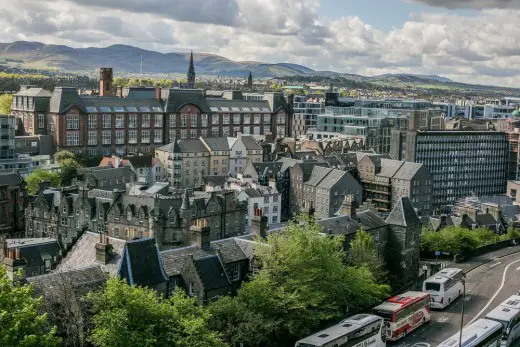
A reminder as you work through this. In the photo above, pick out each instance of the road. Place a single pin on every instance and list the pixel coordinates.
(486, 287)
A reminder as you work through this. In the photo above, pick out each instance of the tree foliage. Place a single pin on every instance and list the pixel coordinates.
(69, 171)
(60, 156)
(363, 253)
(303, 282)
(21, 323)
(135, 316)
(39, 175)
(458, 240)
(6, 101)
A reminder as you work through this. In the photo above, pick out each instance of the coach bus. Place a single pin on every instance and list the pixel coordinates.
(444, 287)
(508, 314)
(404, 313)
(481, 333)
(357, 331)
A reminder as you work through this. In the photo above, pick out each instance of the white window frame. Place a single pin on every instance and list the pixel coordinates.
(157, 136)
(132, 121)
(92, 121)
(145, 136)
(132, 136)
(72, 122)
(72, 138)
(92, 137)
(194, 120)
(173, 120)
(158, 120)
(145, 121)
(106, 137)
(107, 121)
(120, 137)
(120, 121)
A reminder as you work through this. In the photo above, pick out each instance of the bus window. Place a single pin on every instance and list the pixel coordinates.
(436, 287)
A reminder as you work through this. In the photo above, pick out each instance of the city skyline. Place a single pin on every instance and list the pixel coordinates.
(465, 40)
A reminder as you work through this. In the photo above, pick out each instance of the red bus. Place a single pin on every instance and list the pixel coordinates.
(404, 313)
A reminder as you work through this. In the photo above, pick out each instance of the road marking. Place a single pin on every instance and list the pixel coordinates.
(518, 268)
(496, 264)
(467, 298)
(421, 344)
(496, 293)
(442, 319)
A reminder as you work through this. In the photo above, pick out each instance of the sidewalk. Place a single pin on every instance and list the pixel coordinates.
(475, 262)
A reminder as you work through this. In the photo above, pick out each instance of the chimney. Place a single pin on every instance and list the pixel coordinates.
(13, 263)
(349, 206)
(116, 161)
(259, 224)
(105, 81)
(200, 235)
(103, 249)
(158, 93)
(119, 91)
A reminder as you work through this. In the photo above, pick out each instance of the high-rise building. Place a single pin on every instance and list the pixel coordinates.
(461, 163)
(306, 110)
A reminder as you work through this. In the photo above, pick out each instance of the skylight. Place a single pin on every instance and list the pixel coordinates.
(157, 109)
(214, 109)
(144, 109)
(91, 109)
(131, 109)
(105, 109)
(119, 109)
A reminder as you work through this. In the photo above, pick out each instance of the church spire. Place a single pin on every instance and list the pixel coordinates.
(191, 73)
(250, 81)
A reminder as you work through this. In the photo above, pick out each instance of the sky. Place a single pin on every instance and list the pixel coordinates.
(474, 41)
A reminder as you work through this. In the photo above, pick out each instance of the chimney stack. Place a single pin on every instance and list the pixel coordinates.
(349, 206)
(103, 249)
(259, 224)
(119, 91)
(200, 233)
(105, 81)
(158, 93)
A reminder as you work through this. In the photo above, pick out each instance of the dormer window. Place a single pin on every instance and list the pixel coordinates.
(64, 209)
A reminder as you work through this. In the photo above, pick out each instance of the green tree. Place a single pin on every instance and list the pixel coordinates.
(69, 170)
(21, 320)
(39, 175)
(512, 233)
(6, 101)
(60, 156)
(302, 283)
(134, 316)
(363, 252)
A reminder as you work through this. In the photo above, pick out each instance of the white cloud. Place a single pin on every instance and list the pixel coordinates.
(481, 49)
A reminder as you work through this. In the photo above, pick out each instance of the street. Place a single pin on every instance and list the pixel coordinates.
(486, 287)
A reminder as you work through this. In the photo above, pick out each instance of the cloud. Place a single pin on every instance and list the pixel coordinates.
(484, 48)
(470, 4)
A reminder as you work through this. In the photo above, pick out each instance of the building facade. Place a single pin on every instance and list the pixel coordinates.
(306, 110)
(265, 198)
(13, 200)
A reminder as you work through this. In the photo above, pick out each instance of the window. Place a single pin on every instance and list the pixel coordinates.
(204, 120)
(214, 131)
(145, 121)
(215, 119)
(246, 130)
(235, 272)
(183, 120)
(275, 197)
(267, 119)
(172, 285)
(184, 134)
(129, 215)
(145, 136)
(257, 118)
(92, 138)
(107, 121)
(275, 208)
(41, 121)
(116, 232)
(158, 120)
(280, 118)
(132, 136)
(236, 130)
(120, 121)
(215, 162)
(107, 137)
(72, 122)
(78, 224)
(120, 137)
(194, 121)
(72, 138)
(92, 121)
(225, 119)
(173, 120)
(194, 133)
(256, 130)
(247, 119)
(64, 221)
(157, 136)
(275, 219)
(132, 121)
(236, 119)
(225, 132)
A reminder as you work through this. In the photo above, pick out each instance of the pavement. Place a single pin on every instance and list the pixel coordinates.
(490, 279)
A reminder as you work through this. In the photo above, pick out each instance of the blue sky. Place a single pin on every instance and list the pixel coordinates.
(382, 14)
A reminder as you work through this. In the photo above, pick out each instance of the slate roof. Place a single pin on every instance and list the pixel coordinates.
(211, 272)
(83, 254)
(216, 143)
(389, 167)
(84, 279)
(35, 92)
(403, 214)
(340, 225)
(485, 219)
(219, 180)
(102, 173)
(332, 178)
(141, 263)
(250, 143)
(370, 220)
(318, 174)
(408, 170)
(139, 161)
(192, 146)
(177, 98)
(63, 98)
(217, 104)
(35, 251)
(267, 168)
(11, 179)
(252, 193)
(172, 147)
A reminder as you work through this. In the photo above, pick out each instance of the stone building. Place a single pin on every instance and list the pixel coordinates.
(13, 199)
(243, 148)
(218, 148)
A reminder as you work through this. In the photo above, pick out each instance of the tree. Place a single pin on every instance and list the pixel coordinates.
(363, 252)
(6, 101)
(62, 155)
(69, 171)
(39, 175)
(135, 316)
(21, 320)
(303, 283)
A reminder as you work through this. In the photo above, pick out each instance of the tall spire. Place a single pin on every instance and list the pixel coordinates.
(191, 73)
(250, 81)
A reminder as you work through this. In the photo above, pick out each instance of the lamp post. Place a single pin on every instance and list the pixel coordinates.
(462, 311)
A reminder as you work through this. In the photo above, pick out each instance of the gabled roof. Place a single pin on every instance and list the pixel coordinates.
(63, 98)
(192, 146)
(318, 174)
(172, 147)
(108, 173)
(250, 143)
(485, 219)
(216, 143)
(332, 178)
(139, 161)
(211, 272)
(403, 214)
(35, 92)
(370, 220)
(35, 251)
(83, 279)
(177, 98)
(217, 181)
(252, 193)
(408, 170)
(11, 179)
(389, 167)
(141, 264)
(267, 168)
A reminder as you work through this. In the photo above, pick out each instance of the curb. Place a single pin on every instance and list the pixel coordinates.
(489, 261)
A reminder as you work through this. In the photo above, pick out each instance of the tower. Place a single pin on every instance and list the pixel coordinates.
(105, 81)
(191, 73)
(250, 81)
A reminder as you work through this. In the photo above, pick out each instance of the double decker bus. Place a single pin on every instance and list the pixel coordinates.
(444, 287)
(357, 331)
(508, 314)
(404, 313)
(480, 333)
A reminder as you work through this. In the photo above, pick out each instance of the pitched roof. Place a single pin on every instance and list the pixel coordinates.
(35, 251)
(219, 180)
(139, 161)
(177, 98)
(408, 170)
(216, 143)
(63, 98)
(389, 167)
(36, 92)
(252, 192)
(172, 147)
(484, 219)
(370, 220)
(83, 254)
(318, 174)
(11, 179)
(403, 214)
(211, 272)
(141, 263)
(102, 173)
(192, 146)
(250, 143)
(332, 177)
(84, 279)
(267, 168)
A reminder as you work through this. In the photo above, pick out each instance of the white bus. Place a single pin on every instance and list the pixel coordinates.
(357, 331)
(404, 313)
(481, 333)
(508, 314)
(444, 287)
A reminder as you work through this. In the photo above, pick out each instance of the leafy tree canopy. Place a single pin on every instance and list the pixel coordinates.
(69, 170)
(21, 321)
(39, 175)
(363, 252)
(458, 240)
(6, 101)
(62, 155)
